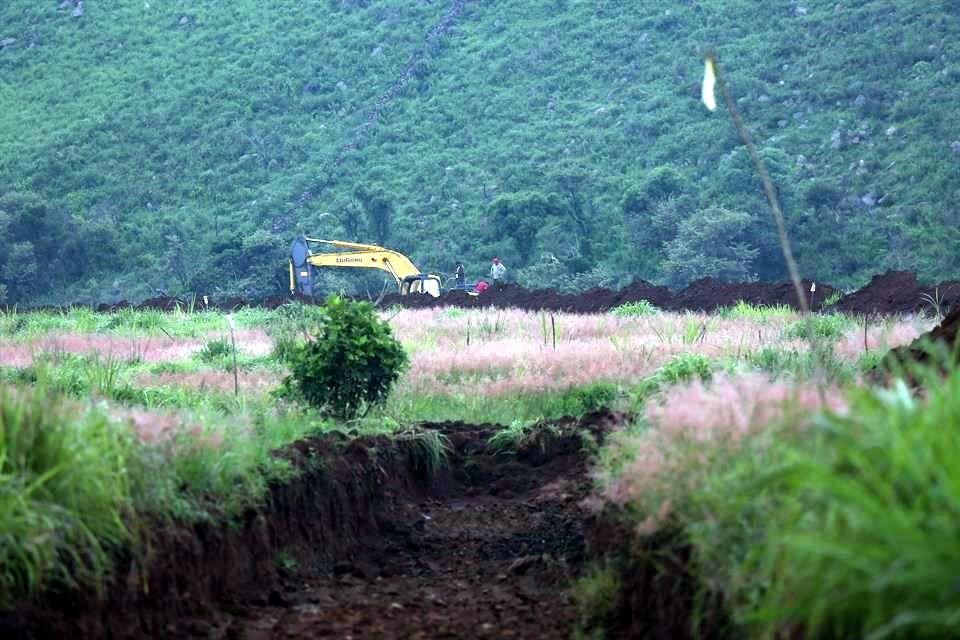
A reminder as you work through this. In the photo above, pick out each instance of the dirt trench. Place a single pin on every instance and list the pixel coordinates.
(486, 548)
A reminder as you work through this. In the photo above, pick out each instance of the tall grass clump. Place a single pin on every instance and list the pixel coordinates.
(64, 494)
(761, 313)
(863, 541)
(822, 521)
(822, 326)
(427, 451)
(685, 366)
(634, 309)
(292, 326)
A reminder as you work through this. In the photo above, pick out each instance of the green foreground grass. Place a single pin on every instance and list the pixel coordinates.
(838, 525)
(77, 485)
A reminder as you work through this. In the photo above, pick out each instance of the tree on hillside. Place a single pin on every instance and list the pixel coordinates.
(652, 210)
(710, 243)
(18, 273)
(520, 216)
(92, 247)
(245, 264)
(4, 250)
(734, 184)
(379, 213)
(574, 185)
(33, 230)
(351, 217)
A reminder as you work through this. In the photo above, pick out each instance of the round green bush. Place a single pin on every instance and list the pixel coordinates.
(351, 362)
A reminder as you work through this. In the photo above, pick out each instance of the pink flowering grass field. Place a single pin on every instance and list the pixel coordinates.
(148, 349)
(693, 427)
(512, 351)
(481, 353)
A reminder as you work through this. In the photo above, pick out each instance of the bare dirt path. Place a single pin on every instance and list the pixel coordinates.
(492, 558)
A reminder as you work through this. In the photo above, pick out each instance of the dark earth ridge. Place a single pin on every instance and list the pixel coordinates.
(366, 544)
(892, 292)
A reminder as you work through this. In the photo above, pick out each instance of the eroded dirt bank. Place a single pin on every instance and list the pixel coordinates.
(368, 544)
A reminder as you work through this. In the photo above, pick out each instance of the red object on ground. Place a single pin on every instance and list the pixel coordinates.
(481, 286)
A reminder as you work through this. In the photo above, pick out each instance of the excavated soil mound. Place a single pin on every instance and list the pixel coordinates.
(703, 295)
(513, 297)
(708, 294)
(642, 290)
(159, 303)
(891, 292)
(368, 544)
(942, 337)
(900, 292)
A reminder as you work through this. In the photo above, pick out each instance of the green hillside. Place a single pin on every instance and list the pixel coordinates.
(180, 145)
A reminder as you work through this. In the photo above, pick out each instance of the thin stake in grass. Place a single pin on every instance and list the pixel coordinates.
(712, 77)
(233, 343)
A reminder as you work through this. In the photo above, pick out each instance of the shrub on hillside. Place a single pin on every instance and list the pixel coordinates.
(349, 364)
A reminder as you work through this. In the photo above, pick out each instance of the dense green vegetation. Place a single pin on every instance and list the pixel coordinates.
(828, 523)
(349, 364)
(180, 145)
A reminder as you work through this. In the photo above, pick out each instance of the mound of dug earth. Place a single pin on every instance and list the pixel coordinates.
(942, 337)
(703, 295)
(708, 294)
(891, 292)
(899, 292)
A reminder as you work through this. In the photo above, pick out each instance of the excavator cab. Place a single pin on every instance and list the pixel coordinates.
(301, 272)
(421, 283)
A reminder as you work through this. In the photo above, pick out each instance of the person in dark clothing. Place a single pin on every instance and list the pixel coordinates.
(458, 274)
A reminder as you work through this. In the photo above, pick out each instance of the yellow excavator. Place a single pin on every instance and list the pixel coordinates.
(358, 256)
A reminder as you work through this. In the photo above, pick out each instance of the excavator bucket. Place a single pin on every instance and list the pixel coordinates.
(301, 273)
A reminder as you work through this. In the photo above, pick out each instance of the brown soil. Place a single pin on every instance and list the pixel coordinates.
(899, 292)
(365, 545)
(942, 337)
(706, 295)
(657, 592)
(890, 293)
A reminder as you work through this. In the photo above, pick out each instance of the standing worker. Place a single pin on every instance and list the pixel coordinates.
(497, 269)
(458, 274)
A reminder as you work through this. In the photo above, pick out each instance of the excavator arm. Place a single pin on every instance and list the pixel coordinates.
(357, 256)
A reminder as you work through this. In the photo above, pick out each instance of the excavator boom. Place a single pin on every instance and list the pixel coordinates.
(362, 256)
